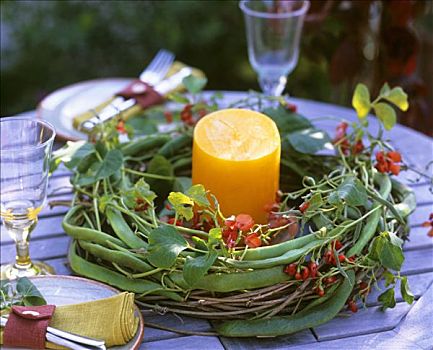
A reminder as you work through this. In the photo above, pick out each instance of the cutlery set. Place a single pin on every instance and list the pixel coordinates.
(152, 80)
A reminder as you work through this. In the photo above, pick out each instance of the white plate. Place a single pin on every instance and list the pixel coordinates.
(61, 106)
(65, 290)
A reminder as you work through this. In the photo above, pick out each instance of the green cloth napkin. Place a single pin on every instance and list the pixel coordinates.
(112, 319)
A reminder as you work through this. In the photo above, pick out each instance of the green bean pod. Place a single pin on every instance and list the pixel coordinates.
(115, 279)
(283, 325)
(122, 229)
(408, 203)
(229, 282)
(173, 146)
(277, 249)
(370, 227)
(286, 258)
(182, 163)
(118, 257)
(144, 144)
(85, 233)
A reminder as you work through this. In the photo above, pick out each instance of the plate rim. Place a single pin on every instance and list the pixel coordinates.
(61, 136)
(140, 329)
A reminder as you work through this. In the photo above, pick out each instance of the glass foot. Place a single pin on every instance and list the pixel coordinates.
(36, 268)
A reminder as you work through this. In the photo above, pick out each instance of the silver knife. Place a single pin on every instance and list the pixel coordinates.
(164, 87)
(70, 340)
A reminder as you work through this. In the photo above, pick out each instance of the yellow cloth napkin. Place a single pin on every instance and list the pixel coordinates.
(111, 319)
(175, 67)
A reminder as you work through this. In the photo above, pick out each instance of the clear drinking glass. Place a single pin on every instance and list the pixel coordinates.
(25, 150)
(273, 32)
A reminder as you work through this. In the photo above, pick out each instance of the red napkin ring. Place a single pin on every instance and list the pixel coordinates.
(143, 93)
(27, 326)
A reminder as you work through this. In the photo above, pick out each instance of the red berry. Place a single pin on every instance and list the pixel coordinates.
(298, 276)
(291, 107)
(352, 259)
(230, 223)
(358, 147)
(304, 206)
(394, 156)
(380, 157)
(168, 117)
(394, 168)
(341, 258)
(305, 273)
(363, 288)
(337, 245)
(244, 222)
(290, 269)
(313, 269)
(120, 127)
(352, 306)
(330, 280)
(253, 240)
(382, 167)
(320, 291)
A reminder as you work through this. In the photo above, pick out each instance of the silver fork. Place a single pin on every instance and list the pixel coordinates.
(152, 75)
(158, 68)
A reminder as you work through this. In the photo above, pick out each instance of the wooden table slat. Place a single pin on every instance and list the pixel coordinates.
(417, 261)
(377, 341)
(365, 321)
(303, 337)
(418, 323)
(189, 342)
(172, 321)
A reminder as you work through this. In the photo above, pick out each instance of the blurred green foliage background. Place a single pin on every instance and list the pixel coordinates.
(49, 44)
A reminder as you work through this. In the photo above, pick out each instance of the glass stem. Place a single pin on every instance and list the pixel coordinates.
(23, 256)
(272, 86)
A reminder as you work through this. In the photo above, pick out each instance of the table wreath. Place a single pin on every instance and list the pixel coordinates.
(337, 225)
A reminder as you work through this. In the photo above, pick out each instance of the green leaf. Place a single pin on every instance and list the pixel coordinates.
(199, 243)
(405, 291)
(195, 268)
(29, 293)
(361, 100)
(398, 97)
(352, 191)
(142, 125)
(141, 190)
(315, 201)
(215, 236)
(387, 299)
(182, 204)
(386, 114)
(389, 278)
(165, 244)
(286, 120)
(308, 141)
(112, 162)
(198, 194)
(159, 165)
(391, 256)
(182, 183)
(385, 89)
(395, 240)
(67, 153)
(194, 84)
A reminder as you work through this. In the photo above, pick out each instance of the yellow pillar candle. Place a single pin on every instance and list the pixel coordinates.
(236, 155)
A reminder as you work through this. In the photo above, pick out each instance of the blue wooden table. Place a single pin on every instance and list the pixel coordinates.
(404, 327)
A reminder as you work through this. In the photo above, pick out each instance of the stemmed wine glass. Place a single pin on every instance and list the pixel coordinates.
(25, 150)
(273, 32)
